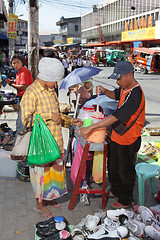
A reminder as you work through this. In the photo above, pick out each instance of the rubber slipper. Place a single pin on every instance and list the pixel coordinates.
(44, 214)
(119, 205)
(56, 204)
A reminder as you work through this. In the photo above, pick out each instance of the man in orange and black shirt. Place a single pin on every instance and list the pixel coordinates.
(127, 122)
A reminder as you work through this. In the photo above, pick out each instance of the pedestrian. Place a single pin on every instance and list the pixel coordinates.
(79, 61)
(48, 182)
(23, 80)
(65, 64)
(73, 63)
(127, 122)
(87, 62)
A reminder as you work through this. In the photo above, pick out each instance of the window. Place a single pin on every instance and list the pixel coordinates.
(76, 28)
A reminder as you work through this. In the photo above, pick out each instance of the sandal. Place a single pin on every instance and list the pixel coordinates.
(43, 213)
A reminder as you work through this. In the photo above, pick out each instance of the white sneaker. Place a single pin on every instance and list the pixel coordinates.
(146, 215)
(91, 222)
(111, 225)
(136, 227)
(103, 234)
(156, 208)
(114, 214)
(152, 232)
(100, 214)
(132, 237)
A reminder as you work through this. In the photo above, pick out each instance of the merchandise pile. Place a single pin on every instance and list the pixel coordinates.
(7, 136)
(141, 223)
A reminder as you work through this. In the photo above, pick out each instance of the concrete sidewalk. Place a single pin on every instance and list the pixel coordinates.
(17, 218)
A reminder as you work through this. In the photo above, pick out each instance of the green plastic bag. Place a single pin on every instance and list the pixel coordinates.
(42, 148)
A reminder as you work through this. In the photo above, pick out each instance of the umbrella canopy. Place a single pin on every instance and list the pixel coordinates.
(79, 75)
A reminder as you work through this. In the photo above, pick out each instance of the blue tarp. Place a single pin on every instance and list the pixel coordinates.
(3, 36)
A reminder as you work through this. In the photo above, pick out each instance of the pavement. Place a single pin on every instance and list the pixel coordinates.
(17, 218)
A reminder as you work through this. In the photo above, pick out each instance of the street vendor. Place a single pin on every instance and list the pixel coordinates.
(126, 121)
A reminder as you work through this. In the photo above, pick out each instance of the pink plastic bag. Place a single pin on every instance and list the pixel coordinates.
(76, 163)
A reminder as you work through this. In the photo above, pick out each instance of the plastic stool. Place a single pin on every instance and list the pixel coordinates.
(145, 171)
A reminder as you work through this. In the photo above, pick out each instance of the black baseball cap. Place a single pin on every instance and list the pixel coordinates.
(120, 69)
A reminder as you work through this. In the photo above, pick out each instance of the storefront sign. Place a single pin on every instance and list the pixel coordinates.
(144, 22)
(70, 40)
(12, 26)
(140, 34)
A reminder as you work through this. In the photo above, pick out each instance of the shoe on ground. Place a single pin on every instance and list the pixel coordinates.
(114, 214)
(101, 214)
(110, 224)
(136, 227)
(118, 205)
(104, 234)
(84, 199)
(146, 215)
(91, 222)
(152, 232)
(77, 234)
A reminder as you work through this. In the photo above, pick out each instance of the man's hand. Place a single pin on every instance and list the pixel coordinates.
(101, 89)
(78, 122)
(7, 81)
(56, 118)
(83, 132)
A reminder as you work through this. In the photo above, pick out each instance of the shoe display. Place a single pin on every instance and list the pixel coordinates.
(152, 232)
(105, 234)
(114, 214)
(146, 215)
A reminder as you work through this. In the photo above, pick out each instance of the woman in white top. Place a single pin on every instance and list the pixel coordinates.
(79, 62)
(73, 63)
(87, 62)
(65, 64)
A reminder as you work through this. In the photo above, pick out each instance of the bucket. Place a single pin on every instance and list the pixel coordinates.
(23, 172)
(86, 112)
(97, 135)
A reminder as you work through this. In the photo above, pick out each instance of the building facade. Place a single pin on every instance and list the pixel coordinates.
(70, 29)
(113, 17)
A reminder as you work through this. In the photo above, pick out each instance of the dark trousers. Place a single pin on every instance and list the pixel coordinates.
(121, 170)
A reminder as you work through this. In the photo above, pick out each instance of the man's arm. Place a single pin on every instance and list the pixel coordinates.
(108, 93)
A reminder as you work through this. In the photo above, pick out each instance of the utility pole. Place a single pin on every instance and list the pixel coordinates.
(33, 37)
(11, 40)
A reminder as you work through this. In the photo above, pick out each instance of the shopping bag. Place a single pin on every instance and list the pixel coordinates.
(97, 170)
(76, 162)
(43, 147)
(20, 150)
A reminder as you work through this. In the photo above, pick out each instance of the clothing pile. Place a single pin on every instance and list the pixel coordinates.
(141, 223)
(7, 136)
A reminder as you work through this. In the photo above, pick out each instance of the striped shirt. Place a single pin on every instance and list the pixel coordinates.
(38, 100)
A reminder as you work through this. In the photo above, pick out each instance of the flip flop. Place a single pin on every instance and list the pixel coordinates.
(56, 204)
(44, 214)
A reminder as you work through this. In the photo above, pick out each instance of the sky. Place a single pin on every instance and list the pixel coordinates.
(50, 11)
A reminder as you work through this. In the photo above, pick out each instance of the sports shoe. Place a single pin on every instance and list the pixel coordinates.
(91, 222)
(77, 234)
(104, 234)
(146, 215)
(136, 227)
(100, 214)
(110, 225)
(114, 214)
(152, 232)
(83, 196)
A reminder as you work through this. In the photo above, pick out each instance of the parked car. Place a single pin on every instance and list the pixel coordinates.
(114, 55)
(146, 60)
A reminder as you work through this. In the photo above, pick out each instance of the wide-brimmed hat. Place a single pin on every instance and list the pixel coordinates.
(50, 70)
(121, 68)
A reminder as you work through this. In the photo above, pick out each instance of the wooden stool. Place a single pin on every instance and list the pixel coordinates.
(89, 147)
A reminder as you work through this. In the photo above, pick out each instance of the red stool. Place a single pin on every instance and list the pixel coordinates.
(89, 147)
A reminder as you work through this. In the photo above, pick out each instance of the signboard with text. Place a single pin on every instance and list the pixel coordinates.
(12, 26)
(140, 34)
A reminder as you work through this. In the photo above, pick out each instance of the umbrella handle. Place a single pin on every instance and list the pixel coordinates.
(77, 101)
(97, 100)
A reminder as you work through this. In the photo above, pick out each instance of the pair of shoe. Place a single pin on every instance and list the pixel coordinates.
(102, 233)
